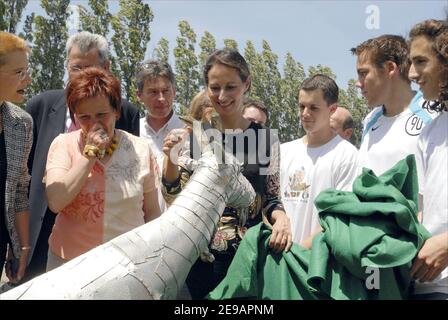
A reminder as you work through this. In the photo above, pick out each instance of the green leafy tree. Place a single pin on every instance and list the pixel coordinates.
(257, 68)
(294, 75)
(10, 14)
(130, 38)
(48, 35)
(98, 19)
(162, 51)
(357, 106)
(230, 43)
(321, 69)
(187, 67)
(271, 87)
(207, 46)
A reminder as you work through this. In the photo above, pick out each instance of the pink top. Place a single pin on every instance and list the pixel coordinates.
(111, 201)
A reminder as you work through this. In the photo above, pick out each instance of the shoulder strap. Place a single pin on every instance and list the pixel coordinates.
(416, 107)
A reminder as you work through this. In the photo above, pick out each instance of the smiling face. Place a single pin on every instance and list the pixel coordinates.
(226, 90)
(14, 77)
(372, 81)
(314, 111)
(426, 69)
(94, 110)
(78, 60)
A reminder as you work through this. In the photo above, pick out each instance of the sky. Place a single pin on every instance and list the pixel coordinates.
(314, 32)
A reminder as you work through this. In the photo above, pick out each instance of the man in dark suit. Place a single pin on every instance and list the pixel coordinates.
(51, 118)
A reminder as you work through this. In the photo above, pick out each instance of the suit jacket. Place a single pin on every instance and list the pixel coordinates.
(18, 131)
(48, 111)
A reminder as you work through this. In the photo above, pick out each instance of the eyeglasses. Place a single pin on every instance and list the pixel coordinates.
(21, 74)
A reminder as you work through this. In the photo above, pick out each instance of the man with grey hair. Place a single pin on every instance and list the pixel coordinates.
(51, 118)
(341, 121)
(156, 91)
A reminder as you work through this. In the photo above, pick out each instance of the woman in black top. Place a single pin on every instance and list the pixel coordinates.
(227, 77)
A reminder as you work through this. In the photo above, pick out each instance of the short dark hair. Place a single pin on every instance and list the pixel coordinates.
(348, 123)
(152, 69)
(326, 84)
(387, 47)
(256, 104)
(228, 57)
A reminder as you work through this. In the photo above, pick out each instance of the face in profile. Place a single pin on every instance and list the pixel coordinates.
(372, 81)
(226, 90)
(426, 69)
(96, 110)
(14, 76)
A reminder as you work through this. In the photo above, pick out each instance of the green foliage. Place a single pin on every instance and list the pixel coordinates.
(207, 46)
(162, 51)
(130, 38)
(351, 100)
(98, 20)
(48, 35)
(10, 14)
(230, 43)
(187, 66)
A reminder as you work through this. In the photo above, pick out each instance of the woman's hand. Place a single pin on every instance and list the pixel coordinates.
(14, 272)
(172, 143)
(97, 137)
(281, 238)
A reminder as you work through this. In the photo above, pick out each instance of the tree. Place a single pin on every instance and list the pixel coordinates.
(257, 69)
(271, 89)
(162, 51)
(48, 36)
(321, 69)
(187, 74)
(207, 45)
(230, 43)
(351, 100)
(98, 20)
(131, 35)
(294, 75)
(10, 14)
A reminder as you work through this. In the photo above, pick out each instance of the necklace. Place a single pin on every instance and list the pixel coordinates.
(113, 146)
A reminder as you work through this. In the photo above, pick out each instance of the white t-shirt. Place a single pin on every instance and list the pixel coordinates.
(432, 166)
(389, 140)
(305, 172)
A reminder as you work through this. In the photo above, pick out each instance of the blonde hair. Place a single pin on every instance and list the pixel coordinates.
(11, 43)
(198, 105)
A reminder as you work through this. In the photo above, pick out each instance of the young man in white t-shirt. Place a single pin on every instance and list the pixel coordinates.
(429, 69)
(319, 160)
(392, 128)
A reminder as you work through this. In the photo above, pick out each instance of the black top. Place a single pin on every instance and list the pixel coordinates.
(3, 232)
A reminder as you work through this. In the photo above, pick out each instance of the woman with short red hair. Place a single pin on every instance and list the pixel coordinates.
(101, 181)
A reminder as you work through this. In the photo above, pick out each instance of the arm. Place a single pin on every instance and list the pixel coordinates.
(281, 238)
(432, 258)
(64, 180)
(22, 227)
(151, 205)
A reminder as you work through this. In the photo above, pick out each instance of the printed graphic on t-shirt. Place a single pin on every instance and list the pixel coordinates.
(414, 125)
(297, 187)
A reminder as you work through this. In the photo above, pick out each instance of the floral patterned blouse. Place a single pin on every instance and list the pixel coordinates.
(259, 153)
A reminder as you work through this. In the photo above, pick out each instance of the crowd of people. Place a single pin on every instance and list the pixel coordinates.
(80, 166)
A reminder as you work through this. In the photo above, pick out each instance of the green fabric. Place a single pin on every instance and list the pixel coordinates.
(373, 226)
